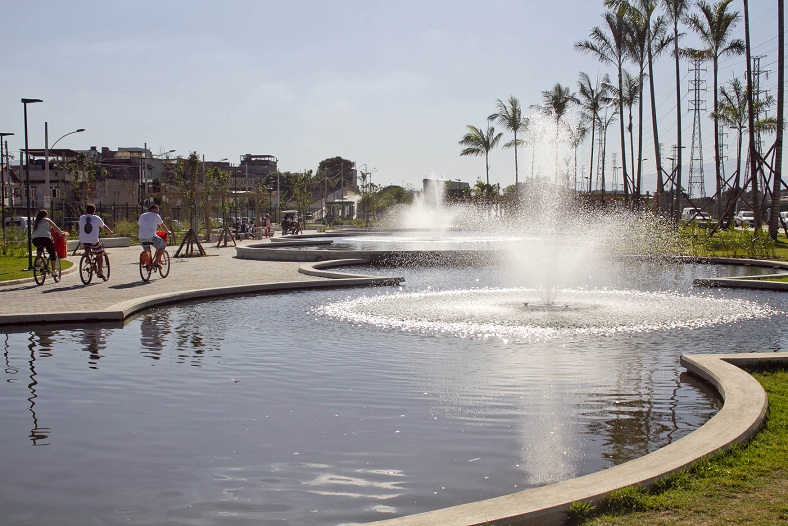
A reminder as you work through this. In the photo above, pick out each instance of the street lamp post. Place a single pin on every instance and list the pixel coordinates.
(48, 193)
(25, 102)
(2, 182)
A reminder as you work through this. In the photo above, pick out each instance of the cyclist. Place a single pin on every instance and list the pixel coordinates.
(43, 228)
(149, 223)
(89, 227)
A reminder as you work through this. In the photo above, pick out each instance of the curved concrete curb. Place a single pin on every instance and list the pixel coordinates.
(741, 416)
(316, 269)
(745, 282)
(120, 311)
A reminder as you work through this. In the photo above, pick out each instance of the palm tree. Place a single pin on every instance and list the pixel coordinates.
(479, 142)
(629, 97)
(555, 103)
(607, 44)
(645, 41)
(714, 25)
(732, 112)
(604, 123)
(510, 116)
(592, 99)
(577, 134)
(675, 10)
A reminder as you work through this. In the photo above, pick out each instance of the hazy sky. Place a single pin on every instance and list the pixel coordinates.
(387, 84)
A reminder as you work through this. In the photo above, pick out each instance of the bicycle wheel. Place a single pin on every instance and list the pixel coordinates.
(85, 269)
(39, 270)
(56, 273)
(145, 270)
(106, 265)
(164, 271)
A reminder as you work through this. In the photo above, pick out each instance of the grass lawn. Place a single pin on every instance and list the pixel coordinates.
(11, 267)
(784, 280)
(748, 485)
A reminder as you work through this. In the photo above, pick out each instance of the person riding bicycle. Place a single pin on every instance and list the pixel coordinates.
(89, 227)
(149, 223)
(43, 228)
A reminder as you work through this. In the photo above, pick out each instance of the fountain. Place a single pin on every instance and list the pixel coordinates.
(549, 352)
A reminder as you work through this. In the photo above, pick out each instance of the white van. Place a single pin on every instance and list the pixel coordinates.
(693, 214)
(17, 221)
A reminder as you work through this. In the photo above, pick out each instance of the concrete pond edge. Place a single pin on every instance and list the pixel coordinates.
(741, 417)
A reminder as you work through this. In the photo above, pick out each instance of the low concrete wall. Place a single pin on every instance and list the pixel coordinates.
(109, 242)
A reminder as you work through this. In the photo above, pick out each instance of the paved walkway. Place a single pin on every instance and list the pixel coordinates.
(219, 269)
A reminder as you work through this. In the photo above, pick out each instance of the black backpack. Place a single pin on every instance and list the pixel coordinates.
(88, 228)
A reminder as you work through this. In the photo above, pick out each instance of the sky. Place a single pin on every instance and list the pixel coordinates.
(390, 85)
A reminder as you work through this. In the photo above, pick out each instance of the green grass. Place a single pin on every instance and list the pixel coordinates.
(11, 267)
(783, 280)
(736, 243)
(747, 485)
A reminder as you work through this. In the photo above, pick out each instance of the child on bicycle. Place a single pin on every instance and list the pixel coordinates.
(89, 227)
(43, 228)
(149, 223)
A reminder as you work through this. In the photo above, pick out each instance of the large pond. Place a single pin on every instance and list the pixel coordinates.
(334, 407)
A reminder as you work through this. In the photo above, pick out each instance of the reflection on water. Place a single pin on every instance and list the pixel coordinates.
(283, 413)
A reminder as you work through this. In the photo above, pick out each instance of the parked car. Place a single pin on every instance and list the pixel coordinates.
(744, 218)
(693, 214)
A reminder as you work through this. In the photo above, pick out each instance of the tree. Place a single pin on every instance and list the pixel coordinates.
(82, 173)
(555, 103)
(301, 186)
(592, 98)
(478, 142)
(608, 45)
(510, 116)
(732, 112)
(676, 10)
(485, 190)
(629, 97)
(577, 134)
(714, 25)
(218, 181)
(188, 179)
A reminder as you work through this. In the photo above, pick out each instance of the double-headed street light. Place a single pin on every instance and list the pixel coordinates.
(25, 102)
(2, 181)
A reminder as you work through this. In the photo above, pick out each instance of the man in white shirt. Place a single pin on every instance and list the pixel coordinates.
(89, 227)
(149, 223)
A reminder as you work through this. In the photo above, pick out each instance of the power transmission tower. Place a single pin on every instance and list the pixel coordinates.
(697, 184)
(600, 165)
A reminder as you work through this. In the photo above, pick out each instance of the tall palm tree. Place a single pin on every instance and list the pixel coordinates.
(714, 26)
(629, 97)
(778, 140)
(510, 116)
(659, 41)
(479, 142)
(592, 99)
(604, 123)
(577, 134)
(607, 44)
(732, 112)
(676, 10)
(555, 103)
(646, 39)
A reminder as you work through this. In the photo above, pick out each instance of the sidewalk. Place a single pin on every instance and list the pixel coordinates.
(27, 302)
